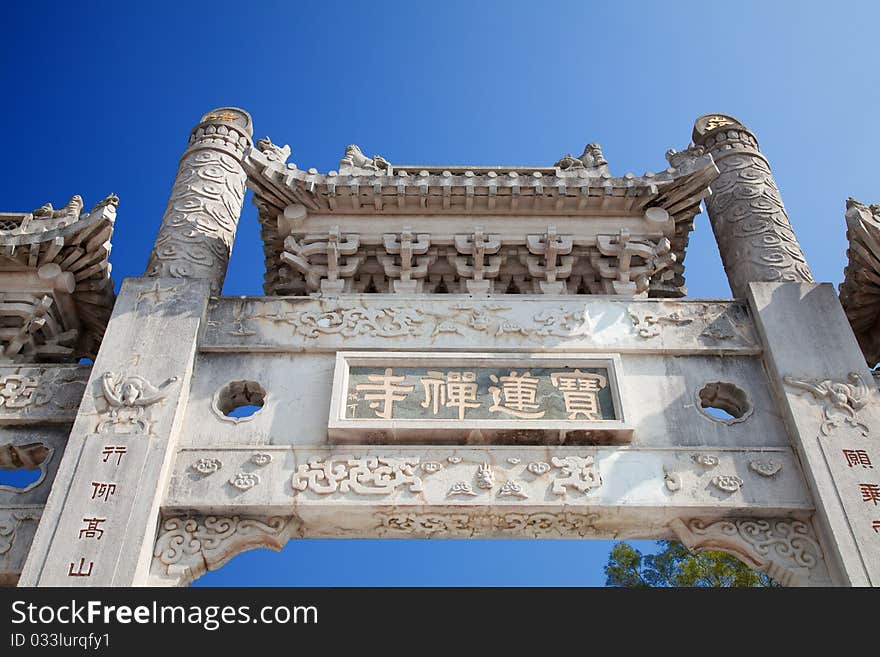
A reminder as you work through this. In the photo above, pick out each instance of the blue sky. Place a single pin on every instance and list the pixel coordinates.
(99, 98)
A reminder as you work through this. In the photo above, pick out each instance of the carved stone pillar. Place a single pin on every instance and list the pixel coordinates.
(99, 524)
(831, 409)
(199, 224)
(754, 235)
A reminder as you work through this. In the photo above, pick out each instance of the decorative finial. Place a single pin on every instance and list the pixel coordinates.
(355, 159)
(273, 152)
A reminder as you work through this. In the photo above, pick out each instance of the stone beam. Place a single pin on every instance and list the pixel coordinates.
(31, 394)
(556, 324)
(752, 503)
(334, 491)
(190, 544)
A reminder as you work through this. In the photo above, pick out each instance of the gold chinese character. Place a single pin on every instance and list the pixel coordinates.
(520, 395)
(221, 116)
(435, 390)
(717, 121)
(455, 390)
(385, 391)
(580, 393)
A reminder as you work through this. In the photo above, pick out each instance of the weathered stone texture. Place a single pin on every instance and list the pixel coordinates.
(464, 352)
(199, 223)
(745, 208)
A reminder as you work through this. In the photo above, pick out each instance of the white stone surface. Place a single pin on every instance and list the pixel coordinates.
(356, 480)
(133, 402)
(501, 322)
(809, 342)
(658, 391)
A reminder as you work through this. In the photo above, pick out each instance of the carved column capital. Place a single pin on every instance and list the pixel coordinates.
(202, 214)
(754, 235)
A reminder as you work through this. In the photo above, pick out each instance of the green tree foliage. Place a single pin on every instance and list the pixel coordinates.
(674, 565)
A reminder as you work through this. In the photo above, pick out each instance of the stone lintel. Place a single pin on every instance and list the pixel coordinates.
(512, 323)
(36, 394)
(643, 483)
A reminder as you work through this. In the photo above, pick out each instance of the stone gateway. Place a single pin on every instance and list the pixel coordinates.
(441, 351)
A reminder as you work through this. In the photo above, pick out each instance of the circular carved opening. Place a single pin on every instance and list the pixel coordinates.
(23, 467)
(239, 400)
(724, 402)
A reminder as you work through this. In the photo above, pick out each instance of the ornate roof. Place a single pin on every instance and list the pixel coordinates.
(860, 290)
(573, 187)
(56, 294)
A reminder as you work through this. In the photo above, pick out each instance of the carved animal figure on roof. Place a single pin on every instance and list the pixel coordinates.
(71, 210)
(273, 152)
(676, 159)
(591, 158)
(569, 161)
(355, 158)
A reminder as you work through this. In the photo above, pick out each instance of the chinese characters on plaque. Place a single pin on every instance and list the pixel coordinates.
(479, 393)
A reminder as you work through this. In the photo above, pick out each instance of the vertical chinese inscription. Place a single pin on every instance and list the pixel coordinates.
(863, 485)
(101, 492)
(114, 450)
(857, 457)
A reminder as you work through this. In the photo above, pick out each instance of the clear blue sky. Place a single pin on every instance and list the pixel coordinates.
(99, 99)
